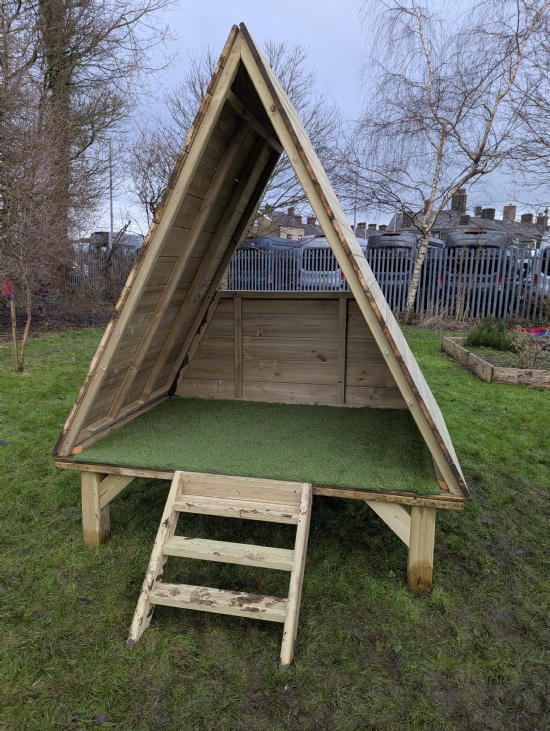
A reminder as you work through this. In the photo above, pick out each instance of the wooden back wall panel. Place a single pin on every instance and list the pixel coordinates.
(312, 348)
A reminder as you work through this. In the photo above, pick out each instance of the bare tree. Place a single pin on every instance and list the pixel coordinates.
(156, 148)
(443, 109)
(68, 72)
(91, 56)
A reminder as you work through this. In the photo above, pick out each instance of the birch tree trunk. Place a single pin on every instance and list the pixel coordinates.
(415, 278)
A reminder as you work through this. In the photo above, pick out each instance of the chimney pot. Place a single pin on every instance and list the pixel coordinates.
(509, 213)
(458, 201)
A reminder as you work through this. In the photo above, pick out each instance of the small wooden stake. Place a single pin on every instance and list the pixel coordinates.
(14, 336)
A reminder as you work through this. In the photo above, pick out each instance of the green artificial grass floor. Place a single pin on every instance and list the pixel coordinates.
(371, 449)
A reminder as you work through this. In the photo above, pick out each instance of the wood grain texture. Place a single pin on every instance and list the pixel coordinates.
(238, 325)
(241, 554)
(192, 152)
(421, 549)
(291, 356)
(95, 518)
(296, 579)
(395, 517)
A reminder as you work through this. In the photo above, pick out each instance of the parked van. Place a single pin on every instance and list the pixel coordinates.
(317, 268)
(251, 266)
(541, 274)
(476, 263)
(107, 240)
(391, 256)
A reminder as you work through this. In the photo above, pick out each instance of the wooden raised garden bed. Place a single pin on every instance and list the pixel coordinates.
(495, 374)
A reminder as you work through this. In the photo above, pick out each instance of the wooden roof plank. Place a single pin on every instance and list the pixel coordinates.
(206, 262)
(194, 145)
(179, 266)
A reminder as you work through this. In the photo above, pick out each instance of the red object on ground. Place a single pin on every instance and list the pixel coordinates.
(8, 290)
(536, 330)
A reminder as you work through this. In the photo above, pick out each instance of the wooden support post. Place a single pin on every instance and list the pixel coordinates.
(238, 317)
(342, 343)
(421, 549)
(95, 519)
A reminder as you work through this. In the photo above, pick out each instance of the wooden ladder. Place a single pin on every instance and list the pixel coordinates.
(237, 497)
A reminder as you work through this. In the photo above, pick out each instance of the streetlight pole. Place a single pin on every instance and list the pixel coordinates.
(111, 186)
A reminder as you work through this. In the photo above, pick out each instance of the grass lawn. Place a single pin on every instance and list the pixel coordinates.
(369, 656)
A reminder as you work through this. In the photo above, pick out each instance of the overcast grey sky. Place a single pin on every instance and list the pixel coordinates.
(329, 29)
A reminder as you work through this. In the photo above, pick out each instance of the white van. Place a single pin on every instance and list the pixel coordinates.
(541, 273)
(317, 266)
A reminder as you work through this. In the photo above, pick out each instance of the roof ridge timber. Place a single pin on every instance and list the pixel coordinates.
(277, 118)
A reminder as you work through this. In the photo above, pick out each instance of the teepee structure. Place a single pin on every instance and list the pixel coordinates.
(179, 343)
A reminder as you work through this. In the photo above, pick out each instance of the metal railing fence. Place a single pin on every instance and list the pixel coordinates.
(469, 282)
(99, 275)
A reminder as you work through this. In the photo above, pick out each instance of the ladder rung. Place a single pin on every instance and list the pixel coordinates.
(205, 599)
(225, 552)
(238, 509)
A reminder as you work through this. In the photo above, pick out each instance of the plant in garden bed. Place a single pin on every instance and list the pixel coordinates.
(491, 333)
(495, 342)
(530, 350)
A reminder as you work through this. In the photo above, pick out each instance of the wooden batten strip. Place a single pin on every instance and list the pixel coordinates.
(238, 320)
(101, 428)
(443, 502)
(255, 124)
(198, 333)
(395, 517)
(446, 502)
(342, 346)
(211, 253)
(266, 295)
(190, 157)
(440, 480)
(241, 229)
(206, 206)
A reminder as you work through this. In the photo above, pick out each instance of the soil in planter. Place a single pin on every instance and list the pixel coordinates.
(509, 359)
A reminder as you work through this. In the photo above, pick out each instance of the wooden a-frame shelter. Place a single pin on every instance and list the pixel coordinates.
(175, 333)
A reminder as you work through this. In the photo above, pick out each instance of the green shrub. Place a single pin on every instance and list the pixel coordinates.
(491, 333)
